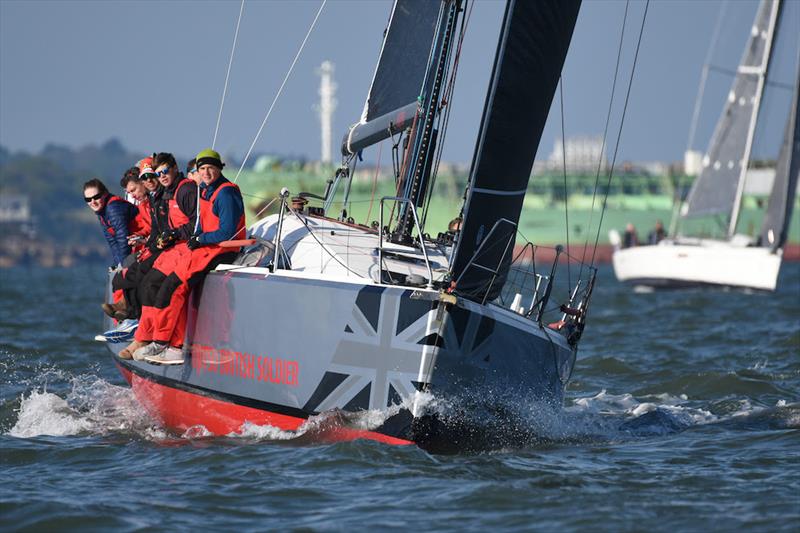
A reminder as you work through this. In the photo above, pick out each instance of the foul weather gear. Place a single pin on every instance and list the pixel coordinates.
(181, 267)
(117, 217)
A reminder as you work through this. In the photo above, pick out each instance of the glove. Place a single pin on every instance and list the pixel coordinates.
(193, 243)
(166, 239)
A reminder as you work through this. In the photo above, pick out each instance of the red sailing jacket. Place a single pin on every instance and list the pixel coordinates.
(178, 218)
(210, 222)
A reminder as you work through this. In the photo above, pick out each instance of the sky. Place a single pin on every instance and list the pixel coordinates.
(151, 73)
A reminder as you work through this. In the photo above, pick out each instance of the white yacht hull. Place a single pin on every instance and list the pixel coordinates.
(673, 264)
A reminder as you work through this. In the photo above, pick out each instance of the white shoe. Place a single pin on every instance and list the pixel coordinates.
(150, 350)
(170, 356)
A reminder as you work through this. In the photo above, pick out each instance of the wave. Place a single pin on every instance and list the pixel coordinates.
(92, 406)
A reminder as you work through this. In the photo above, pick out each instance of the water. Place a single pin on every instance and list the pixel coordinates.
(683, 413)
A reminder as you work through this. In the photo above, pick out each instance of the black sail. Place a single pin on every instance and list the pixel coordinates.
(530, 55)
(775, 227)
(400, 74)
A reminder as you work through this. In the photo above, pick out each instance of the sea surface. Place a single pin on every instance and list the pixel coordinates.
(683, 414)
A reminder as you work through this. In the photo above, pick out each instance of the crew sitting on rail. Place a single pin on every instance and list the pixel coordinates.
(142, 186)
(163, 324)
(175, 212)
(115, 215)
(126, 282)
(136, 193)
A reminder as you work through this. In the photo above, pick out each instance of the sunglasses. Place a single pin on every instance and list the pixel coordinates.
(148, 177)
(163, 172)
(194, 170)
(95, 197)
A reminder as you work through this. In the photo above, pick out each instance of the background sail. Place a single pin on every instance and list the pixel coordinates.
(714, 191)
(399, 76)
(775, 228)
(530, 54)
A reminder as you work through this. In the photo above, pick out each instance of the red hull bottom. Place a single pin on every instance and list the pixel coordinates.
(180, 410)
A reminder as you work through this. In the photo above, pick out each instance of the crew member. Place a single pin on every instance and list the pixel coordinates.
(630, 238)
(115, 215)
(658, 233)
(178, 204)
(221, 219)
(174, 208)
(137, 193)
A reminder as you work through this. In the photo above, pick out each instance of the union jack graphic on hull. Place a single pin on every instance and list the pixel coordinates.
(377, 362)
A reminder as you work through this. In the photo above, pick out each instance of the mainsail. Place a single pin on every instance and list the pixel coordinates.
(716, 189)
(399, 77)
(775, 227)
(531, 50)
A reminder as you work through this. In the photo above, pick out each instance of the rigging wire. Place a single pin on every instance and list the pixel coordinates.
(280, 89)
(619, 132)
(566, 197)
(704, 76)
(605, 135)
(227, 76)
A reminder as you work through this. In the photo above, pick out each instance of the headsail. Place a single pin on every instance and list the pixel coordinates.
(775, 228)
(530, 54)
(716, 189)
(399, 76)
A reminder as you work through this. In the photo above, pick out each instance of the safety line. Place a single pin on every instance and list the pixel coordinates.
(280, 90)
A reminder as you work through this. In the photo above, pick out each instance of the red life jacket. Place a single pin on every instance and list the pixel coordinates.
(210, 222)
(178, 218)
(142, 221)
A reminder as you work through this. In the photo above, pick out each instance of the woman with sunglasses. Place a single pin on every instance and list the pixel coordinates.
(115, 215)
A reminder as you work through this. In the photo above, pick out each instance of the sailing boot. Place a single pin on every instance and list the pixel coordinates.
(117, 310)
(127, 353)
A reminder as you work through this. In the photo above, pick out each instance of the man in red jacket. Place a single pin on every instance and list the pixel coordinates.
(221, 218)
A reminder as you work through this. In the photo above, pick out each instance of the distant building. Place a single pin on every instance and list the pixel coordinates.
(14, 209)
(583, 154)
(15, 215)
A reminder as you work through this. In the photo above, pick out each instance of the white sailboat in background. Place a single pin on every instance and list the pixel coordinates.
(736, 260)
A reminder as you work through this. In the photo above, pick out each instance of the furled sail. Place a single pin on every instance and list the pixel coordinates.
(399, 76)
(775, 227)
(531, 50)
(725, 163)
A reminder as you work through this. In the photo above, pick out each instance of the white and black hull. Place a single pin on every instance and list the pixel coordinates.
(278, 348)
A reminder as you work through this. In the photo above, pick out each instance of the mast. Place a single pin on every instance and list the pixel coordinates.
(761, 72)
(424, 134)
